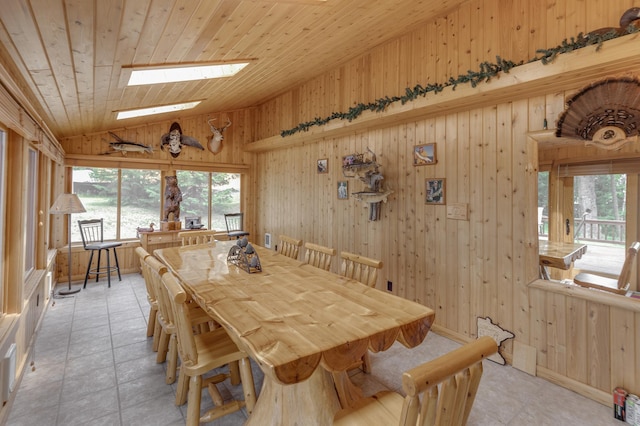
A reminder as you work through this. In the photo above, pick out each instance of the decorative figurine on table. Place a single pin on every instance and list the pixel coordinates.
(243, 255)
(140, 229)
(172, 200)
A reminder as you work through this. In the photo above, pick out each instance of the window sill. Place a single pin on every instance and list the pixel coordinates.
(589, 294)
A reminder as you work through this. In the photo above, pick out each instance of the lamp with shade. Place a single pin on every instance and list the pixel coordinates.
(68, 204)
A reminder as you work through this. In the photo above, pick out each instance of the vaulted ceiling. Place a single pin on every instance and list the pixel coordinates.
(71, 57)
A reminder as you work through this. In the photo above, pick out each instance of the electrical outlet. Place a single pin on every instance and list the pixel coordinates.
(389, 286)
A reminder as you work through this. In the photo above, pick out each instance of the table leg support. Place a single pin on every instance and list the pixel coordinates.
(312, 402)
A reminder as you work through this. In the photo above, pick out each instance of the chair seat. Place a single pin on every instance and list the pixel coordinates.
(236, 234)
(103, 246)
(602, 283)
(382, 408)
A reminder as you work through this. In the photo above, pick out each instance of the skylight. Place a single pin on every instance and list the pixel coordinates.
(188, 73)
(155, 110)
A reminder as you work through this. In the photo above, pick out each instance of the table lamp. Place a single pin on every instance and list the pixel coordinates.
(67, 204)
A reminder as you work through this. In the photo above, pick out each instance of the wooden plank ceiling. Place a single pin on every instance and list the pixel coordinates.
(70, 54)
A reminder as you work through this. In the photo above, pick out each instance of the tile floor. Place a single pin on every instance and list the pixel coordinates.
(94, 366)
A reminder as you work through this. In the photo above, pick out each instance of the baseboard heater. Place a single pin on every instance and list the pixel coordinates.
(8, 373)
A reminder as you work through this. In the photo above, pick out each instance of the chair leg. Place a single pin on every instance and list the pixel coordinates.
(157, 331)
(193, 401)
(98, 266)
(172, 362)
(163, 346)
(108, 269)
(234, 373)
(182, 388)
(115, 256)
(151, 325)
(248, 386)
(86, 276)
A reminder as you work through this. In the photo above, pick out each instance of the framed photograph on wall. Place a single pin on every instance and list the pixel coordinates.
(435, 191)
(424, 154)
(343, 190)
(323, 165)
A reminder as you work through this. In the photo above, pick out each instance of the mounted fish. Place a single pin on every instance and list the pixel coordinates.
(215, 143)
(175, 139)
(127, 146)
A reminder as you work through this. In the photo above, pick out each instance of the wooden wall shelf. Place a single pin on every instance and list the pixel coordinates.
(568, 71)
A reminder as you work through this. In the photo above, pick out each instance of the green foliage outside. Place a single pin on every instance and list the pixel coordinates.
(141, 198)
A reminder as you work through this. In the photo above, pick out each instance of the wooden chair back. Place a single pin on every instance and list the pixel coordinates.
(620, 285)
(319, 256)
(204, 236)
(151, 296)
(448, 385)
(360, 268)
(289, 246)
(155, 270)
(178, 301)
(91, 231)
(142, 255)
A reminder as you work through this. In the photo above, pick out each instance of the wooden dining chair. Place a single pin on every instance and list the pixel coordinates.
(153, 327)
(365, 270)
(618, 286)
(167, 345)
(204, 236)
(360, 268)
(318, 256)
(289, 246)
(202, 353)
(448, 383)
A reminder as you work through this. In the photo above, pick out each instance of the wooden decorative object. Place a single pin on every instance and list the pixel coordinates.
(604, 114)
(486, 327)
(244, 256)
(365, 168)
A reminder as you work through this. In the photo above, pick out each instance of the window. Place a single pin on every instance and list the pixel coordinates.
(97, 188)
(32, 211)
(543, 204)
(128, 198)
(210, 196)
(140, 201)
(599, 213)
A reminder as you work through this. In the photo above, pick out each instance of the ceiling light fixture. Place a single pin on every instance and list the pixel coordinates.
(159, 75)
(155, 110)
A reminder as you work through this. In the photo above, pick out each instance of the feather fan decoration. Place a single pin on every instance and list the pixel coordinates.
(605, 114)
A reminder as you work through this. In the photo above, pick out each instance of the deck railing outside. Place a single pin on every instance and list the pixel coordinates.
(596, 230)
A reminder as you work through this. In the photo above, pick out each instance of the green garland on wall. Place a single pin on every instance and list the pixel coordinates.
(484, 74)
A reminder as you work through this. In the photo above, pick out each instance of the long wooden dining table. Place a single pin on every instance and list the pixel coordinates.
(302, 325)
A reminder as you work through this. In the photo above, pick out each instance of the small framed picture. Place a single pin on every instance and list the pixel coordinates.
(424, 154)
(343, 190)
(323, 165)
(435, 191)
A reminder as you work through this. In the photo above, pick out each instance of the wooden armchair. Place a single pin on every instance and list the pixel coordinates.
(289, 246)
(167, 346)
(204, 236)
(449, 383)
(619, 286)
(319, 256)
(201, 354)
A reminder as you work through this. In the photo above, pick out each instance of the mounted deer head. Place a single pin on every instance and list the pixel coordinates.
(215, 143)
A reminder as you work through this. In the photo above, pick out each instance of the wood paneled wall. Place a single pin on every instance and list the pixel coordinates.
(464, 269)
